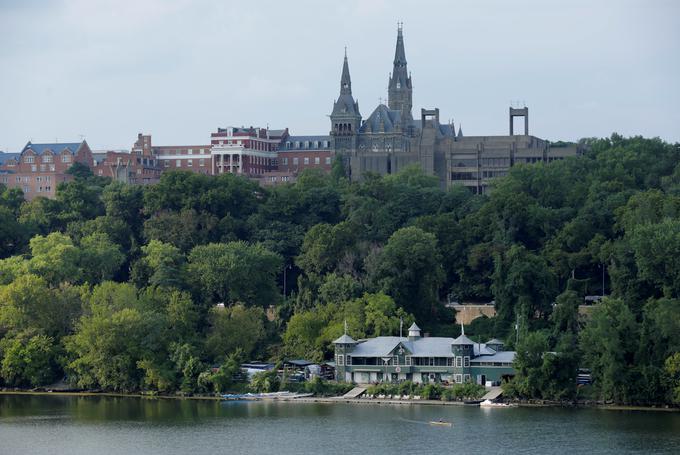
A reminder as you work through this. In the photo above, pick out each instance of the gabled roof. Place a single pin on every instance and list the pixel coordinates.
(56, 147)
(414, 326)
(495, 341)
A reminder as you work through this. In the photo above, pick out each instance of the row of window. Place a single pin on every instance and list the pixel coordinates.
(296, 160)
(284, 178)
(180, 151)
(190, 163)
(457, 362)
(308, 144)
(40, 189)
(65, 158)
(27, 179)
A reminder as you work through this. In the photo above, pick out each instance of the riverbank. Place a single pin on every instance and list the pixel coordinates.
(366, 401)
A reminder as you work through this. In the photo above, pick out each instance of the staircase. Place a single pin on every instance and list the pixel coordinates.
(493, 393)
(355, 392)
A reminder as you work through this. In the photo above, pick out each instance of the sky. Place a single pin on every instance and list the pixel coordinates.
(179, 69)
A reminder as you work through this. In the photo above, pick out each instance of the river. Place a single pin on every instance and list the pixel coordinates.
(110, 425)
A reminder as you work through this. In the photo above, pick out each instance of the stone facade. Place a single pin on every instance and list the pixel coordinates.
(391, 139)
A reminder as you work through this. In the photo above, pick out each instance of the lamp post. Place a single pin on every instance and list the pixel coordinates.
(286, 267)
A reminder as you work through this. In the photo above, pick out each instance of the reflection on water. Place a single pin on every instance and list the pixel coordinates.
(111, 425)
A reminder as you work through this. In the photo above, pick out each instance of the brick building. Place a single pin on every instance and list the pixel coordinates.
(246, 151)
(298, 153)
(39, 168)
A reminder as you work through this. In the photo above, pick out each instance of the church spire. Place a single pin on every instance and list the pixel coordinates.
(345, 81)
(400, 90)
(399, 52)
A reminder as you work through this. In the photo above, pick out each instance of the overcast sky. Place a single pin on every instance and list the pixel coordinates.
(178, 69)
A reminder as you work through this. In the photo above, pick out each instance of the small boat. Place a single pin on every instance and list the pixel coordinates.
(440, 423)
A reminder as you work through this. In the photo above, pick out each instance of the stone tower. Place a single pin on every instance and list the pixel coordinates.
(400, 90)
(345, 118)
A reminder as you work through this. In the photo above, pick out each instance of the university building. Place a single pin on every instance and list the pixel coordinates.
(421, 359)
(391, 138)
(39, 168)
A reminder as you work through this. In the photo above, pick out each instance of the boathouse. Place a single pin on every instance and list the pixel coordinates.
(421, 359)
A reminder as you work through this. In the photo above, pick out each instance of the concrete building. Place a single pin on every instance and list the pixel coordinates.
(421, 359)
(390, 138)
(39, 168)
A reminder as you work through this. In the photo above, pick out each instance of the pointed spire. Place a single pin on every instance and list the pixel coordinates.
(345, 81)
(399, 53)
(460, 130)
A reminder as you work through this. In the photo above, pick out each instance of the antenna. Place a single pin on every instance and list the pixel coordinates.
(345, 326)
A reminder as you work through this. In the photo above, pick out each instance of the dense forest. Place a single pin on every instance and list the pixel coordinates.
(169, 287)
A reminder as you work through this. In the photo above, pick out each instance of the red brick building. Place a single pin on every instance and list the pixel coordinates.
(39, 168)
(298, 153)
(245, 151)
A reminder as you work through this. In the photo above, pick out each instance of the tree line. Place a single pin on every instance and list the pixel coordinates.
(170, 286)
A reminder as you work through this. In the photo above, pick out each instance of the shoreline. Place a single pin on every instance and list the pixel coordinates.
(368, 401)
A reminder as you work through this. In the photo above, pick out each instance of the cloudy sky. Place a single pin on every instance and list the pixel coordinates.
(178, 69)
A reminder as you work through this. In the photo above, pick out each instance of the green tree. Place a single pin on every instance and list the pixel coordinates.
(236, 272)
(100, 258)
(408, 269)
(233, 328)
(608, 343)
(29, 360)
(55, 258)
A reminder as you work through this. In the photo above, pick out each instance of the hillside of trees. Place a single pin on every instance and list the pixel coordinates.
(169, 287)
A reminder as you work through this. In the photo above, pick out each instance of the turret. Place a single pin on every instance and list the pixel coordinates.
(343, 348)
(463, 351)
(413, 332)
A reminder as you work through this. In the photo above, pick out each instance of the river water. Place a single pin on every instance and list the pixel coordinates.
(105, 425)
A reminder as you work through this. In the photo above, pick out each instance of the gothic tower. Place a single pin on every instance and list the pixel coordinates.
(345, 118)
(400, 90)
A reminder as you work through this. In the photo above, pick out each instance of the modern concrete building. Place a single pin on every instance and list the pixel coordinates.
(390, 138)
(421, 359)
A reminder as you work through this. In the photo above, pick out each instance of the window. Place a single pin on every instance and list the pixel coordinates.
(201, 162)
(38, 179)
(466, 378)
(306, 160)
(190, 163)
(52, 167)
(341, 360)
(34, 167)
(408, 360)
(48, 178)
(27, 189)
(29, 159)
(39, 189)
(449, 362)
(349, 360)
(466, 362)
(166, 163)
(296, 161)
(66, 158)
(459, 362)
(395, 360)
(317, 160)
(328, 160)
(458, 378)
(190, 152)
(47, 158)
(178, 163)
(18, 179)
(284, 160)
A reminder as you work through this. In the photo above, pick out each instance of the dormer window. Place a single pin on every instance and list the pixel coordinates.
(66, 158)
(29, 159)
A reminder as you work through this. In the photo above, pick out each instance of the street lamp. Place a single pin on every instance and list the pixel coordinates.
(289, 266)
